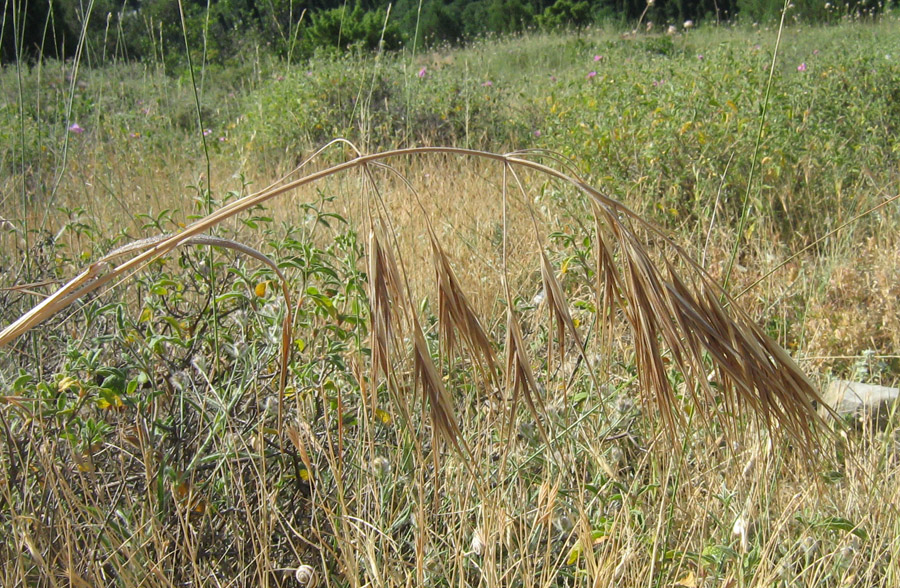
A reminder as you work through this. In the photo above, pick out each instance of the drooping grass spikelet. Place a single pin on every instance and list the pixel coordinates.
(687, 319)
(456, 314)
(384, 292)
(439, 401)
(519, 377)
(559, 307)
(754, 371)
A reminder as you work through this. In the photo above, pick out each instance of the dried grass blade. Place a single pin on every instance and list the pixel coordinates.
(520, 377)
(384, 290)
(559, 308)
(608, 285)
(68, 293)
(439, 402)
(455, 312)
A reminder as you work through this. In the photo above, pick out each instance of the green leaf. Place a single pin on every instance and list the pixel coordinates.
(841, 524)
(597, 536)
(718, 554)
(22, 381)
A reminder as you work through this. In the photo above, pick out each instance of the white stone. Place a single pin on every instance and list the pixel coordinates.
(862, 402)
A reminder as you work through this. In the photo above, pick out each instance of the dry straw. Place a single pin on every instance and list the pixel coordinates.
(681, 320)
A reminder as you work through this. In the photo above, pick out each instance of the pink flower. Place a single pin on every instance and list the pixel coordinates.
(206, 132)
(537, 133)
(134, 135)
(598, 57)
(76, 128)
(487, 84)
(700, 57)
(815, 51)
(422, 72)
(801, 67)
(591, 75)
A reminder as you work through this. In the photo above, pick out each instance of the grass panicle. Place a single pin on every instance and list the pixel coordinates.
(419, 416)
(456, 314)
(683, 316)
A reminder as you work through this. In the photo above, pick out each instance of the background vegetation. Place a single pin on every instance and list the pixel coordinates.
(220, 31)
(143, 442)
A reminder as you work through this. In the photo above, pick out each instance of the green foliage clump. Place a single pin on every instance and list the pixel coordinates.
(340, 28)
(565, 13)
(377, 103)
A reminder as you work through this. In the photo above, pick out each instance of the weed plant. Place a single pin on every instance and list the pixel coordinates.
(467, 368)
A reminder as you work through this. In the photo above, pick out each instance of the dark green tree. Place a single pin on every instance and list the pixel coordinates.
(565, 13)
(32, 29)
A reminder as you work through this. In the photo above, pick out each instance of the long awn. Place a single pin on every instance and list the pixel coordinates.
(685, 321)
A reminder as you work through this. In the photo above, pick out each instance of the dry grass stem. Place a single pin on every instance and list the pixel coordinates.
(456, 315)
(683, 316)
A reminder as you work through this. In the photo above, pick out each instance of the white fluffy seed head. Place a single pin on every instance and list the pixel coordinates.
(741, 529)
(563, 523)
(616, 457)
(381, 467)
(477, 546)
(809, 547)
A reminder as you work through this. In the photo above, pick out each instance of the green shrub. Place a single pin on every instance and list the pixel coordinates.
(342, 28)
(565, 13)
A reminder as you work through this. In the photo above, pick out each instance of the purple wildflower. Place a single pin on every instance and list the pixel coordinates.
(76, 128)
(591, 75)
(802, 67)
(422, 72)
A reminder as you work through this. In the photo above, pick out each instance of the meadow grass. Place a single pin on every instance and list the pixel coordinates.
(147, 441)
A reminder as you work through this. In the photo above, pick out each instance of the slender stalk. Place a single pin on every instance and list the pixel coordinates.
(745, 204)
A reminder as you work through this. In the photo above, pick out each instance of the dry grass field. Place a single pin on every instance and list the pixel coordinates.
(579, 344)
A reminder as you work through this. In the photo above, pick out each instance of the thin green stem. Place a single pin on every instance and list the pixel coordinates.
(745, 205)
(76, 65)
(208, 192)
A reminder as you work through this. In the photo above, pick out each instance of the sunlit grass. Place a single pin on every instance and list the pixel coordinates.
(141, 440)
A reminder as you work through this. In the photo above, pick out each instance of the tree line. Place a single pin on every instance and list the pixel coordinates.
(161, 29)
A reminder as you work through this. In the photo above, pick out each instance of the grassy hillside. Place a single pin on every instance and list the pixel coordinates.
(148, 436)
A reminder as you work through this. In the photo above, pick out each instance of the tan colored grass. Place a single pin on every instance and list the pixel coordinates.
(415, 523)
(684, 315)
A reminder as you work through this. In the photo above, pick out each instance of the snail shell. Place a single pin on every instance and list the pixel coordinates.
(306, 576)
